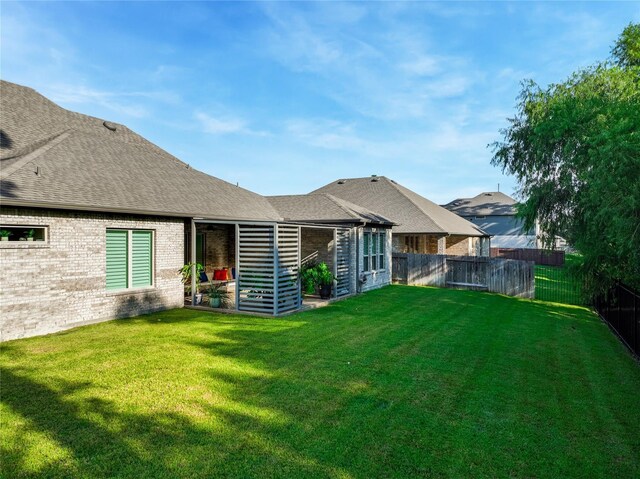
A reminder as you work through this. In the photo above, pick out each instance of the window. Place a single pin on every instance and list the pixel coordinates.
(365, 251)
(129, 258)
(373, 250)
(23, 233)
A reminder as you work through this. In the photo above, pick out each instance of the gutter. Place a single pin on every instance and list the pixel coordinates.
(131, 211)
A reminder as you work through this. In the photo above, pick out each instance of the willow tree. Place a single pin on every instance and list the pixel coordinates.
(574, 148)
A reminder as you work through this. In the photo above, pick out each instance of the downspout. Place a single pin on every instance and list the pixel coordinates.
(193, 262)
(335, 262)
(358, 286)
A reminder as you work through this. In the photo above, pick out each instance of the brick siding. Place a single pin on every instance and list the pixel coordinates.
(61, 283)
(318, 241)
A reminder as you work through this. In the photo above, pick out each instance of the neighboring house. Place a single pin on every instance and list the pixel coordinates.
(369, 251)
(495, 213)
(421, 226)
(113, 217)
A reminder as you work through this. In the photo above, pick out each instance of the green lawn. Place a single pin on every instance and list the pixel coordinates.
(400, 382)
(556, 284)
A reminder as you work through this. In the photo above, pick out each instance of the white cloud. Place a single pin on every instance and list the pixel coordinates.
(390, 73)
(423, 65)
(220, 126)
(80, 94)
(225, 125)
(327, 134)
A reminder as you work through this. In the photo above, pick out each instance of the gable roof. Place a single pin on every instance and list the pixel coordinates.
(411, 212)
(52, 157)
(490, 203)
(323, 208)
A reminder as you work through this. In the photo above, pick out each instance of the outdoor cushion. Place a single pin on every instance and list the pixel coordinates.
(220, 275)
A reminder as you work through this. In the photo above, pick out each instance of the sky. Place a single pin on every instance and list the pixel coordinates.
(283, 98)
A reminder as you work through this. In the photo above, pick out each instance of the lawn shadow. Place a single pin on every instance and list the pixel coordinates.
(99, 438)
(353, 390)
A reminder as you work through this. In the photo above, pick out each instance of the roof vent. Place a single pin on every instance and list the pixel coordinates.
(109, 125)
(374, 179)
(488, 194)
(341, 182)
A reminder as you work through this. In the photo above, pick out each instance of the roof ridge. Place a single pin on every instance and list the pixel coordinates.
(32, 154)
(337, 201)
(396, 186)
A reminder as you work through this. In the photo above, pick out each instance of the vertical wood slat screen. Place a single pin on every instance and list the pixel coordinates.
(117, 264)
(256, 260)
(343, 259)
(141, 258)
(288, 263)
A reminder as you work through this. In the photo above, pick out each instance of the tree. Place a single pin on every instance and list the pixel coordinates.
(627, 49)
(574, 148)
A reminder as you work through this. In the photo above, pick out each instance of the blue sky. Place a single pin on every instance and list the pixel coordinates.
(285, 97)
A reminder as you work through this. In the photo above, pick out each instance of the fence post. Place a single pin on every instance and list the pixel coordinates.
(636, 320)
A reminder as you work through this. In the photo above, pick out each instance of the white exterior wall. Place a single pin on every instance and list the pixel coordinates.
(514, 241)
(373, 279)
(59, 284)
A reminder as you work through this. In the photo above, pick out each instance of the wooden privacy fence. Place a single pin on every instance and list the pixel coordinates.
(497, 275)
(539, 256)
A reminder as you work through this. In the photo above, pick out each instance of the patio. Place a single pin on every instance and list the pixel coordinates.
(242, 260)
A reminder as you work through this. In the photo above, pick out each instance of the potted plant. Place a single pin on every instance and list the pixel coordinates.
(30, 234)
(185, 271)
(4, 234)
(218, 296)
(325, 279)
(309, 277)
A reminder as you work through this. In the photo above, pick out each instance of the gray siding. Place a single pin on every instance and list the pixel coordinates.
(500, 225)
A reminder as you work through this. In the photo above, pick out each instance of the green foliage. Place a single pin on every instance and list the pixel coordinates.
(314, 275)
(219, 291)
(627, 49)
(185, 271)
(5, 233)
(402, 382)
(324, 275)
(30, 233)
(575, 149)
(309, 277)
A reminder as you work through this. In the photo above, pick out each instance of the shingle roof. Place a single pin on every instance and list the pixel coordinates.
(491, 203)
(323, 208)
(53, 157)
(411, 212)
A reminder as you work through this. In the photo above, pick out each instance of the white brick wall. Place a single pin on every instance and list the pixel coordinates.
(52, 286)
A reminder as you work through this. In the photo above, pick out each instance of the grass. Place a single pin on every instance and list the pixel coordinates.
(399, 382)
(557, 284)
